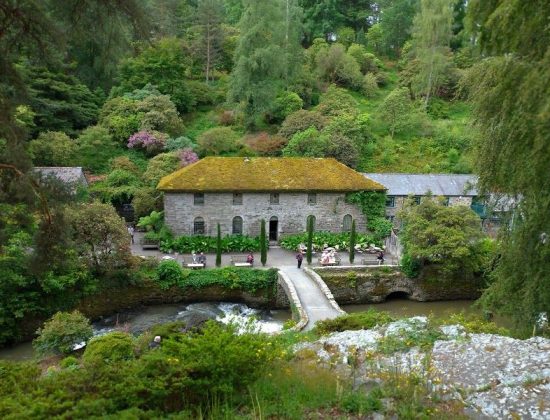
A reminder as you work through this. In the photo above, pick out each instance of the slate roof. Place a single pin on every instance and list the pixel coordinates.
(255, 174)
(68, 174)
(420, 184)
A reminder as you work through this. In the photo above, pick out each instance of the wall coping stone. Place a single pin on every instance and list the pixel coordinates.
(289, 288)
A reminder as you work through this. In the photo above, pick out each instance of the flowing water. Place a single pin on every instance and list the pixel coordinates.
(139, 320)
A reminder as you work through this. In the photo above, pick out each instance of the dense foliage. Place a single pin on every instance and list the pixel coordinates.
(320, 239)
(169, 273)
(199, 243)
(449, 236)
(509, 91)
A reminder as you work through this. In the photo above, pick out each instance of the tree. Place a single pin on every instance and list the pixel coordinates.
(210, 16)
(264, 51)
(509, 93)
(448, 236)
(352, 239)
(219, 248)
(164, 65)
(396, 23)
(307, 143)
(336, 66)
(60, 101)
(396, 110)
(62, 332)
(432, 34)
(309, 242)
(263, 243)
(100, 236)
(336, 101)
(151, 142)
(53, 148)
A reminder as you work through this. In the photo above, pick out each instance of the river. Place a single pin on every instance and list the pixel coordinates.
(141, 319)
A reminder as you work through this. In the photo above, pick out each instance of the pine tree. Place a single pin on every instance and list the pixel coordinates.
(309, 244)
(263, 243)
(219, 247)
(352, 240)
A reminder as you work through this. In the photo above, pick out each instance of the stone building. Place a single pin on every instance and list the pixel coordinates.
(239, 192)
(73, 176)
(455, 189)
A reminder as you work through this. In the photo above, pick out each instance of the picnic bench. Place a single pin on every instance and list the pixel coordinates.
(240, 261)
(332, 261)
(149, 244)
(370, 259)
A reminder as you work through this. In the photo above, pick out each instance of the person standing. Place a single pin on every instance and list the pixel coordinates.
(299, 258)
(380, 258)
(131, 232)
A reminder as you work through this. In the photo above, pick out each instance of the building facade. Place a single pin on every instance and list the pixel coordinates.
(237, 193)
(453, 189)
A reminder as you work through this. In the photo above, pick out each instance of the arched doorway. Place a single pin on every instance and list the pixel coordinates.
(398, 295)
(273, 228)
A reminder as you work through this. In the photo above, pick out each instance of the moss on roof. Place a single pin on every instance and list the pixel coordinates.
(266, 174)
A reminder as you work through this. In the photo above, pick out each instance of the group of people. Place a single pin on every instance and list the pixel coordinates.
(328, 256)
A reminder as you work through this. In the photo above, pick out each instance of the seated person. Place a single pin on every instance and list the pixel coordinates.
(250, 259)
(201, 259)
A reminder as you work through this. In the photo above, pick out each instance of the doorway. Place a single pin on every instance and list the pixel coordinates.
(273, 228)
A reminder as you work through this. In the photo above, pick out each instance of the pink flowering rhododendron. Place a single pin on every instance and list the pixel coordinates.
(187, 157)
(152, 142)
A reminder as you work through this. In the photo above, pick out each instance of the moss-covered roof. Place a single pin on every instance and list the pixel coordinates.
(266, 174)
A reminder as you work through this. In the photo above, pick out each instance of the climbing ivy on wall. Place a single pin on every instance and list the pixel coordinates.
(373, 206)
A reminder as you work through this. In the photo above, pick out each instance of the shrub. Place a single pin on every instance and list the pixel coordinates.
(95, 147)
(218, 141)
(341, 148)
(300, 121)
(410, 266)
(62, 332)
(369, 87)
(187, 157)
(69, 362)
(152, 142)
(264, 144)
(227, 117)
(169, 273)
(336, 101)
(354, 321)
(306, 143)
(199, 243)
(178, 143)
(161, 165)
(53, 148)
(285, 104)
(337, 240)
(109, 348)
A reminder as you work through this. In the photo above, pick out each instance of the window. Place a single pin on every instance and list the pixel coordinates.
(416, 199)
(390, 218)
(311, 217)
(198, 199)
(312, 198)
(274, 198)
(346, 226)
(237, 199)
(199, 228)
(237, 225)
(390, 201)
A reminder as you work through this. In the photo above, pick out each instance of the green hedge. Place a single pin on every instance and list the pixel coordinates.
(169, 274)
(337, 240)
(230, 243)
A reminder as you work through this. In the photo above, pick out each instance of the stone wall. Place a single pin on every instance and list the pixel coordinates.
(291, 212)
(375, 284)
